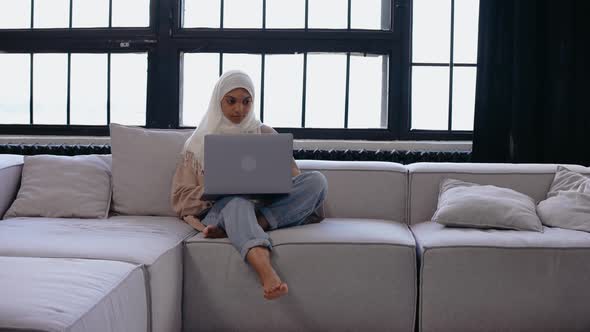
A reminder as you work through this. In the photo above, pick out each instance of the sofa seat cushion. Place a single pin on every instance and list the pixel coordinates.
(155, 242)
(138, 240)
(56, 294)
(499, 280)
(431, 235)
(343, 274)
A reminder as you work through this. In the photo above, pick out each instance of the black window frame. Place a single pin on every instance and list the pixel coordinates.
(164, 41)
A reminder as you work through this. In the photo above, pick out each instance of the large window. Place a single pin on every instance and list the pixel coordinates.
(338, 90)
(322, 68)
(444, 60)
(73, 66)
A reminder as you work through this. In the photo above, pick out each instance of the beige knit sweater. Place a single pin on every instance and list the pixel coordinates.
(187, 188)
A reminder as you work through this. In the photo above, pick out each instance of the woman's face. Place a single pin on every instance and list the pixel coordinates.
(236, 104)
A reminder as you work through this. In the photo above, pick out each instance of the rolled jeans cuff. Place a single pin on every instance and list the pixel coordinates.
(254, 243)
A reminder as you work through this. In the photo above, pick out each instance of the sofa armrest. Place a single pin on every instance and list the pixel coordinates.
(10, 175)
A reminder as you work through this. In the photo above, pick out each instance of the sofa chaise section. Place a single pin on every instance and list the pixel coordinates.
(497, 280)
(76, 295)
(152, 242)
(356, 270)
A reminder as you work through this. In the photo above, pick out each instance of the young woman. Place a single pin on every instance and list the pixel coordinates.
(243, 221)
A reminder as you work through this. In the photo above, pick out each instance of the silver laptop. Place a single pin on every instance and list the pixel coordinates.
(255, 165)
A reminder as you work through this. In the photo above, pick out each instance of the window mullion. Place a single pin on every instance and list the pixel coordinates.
(450, 120)
(347, 93)
(71, 15)
(110, 15)
(349, 14)
(108, 88)
(261, 97)
(69, 90)
(304, 94)
(263, 14)
(32, 13)
(221, 14)
(31, 97)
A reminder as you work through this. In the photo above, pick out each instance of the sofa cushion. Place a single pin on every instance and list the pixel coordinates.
(61, 186)
(154, 242)
(363, 189)
(144, 162)
(467, 204)
(343, 274)
(532, 180)
(10, 173)
(568, 201)
(77, 295)
(502, 280)
(133, 239)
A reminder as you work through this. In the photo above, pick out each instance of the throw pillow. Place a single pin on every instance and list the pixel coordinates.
(568, 201)
(62, 187)
(466, 204)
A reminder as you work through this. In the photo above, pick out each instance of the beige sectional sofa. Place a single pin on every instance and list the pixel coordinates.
(376, 263)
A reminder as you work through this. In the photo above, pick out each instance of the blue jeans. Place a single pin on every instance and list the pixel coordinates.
(237, 215)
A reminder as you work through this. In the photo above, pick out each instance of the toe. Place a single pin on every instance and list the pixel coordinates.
(276, 291)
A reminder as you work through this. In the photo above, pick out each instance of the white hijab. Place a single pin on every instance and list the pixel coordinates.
(214, 122)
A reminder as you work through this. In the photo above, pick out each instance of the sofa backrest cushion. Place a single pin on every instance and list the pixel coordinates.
(144, 162)
(64, 187)
(10, 173)
(533, 180)
(363, 189)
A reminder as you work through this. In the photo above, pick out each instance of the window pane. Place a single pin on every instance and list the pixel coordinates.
(15, 14)
(251, 64)
(131, 13)
(242, 14)
(326, 85)
(50, 88)
(90, 13)
(52, 14)
(430, 98)
(200, 73)
(366, 92)
(14, 88)
(466, 27)
(328, 14)
(463, 97)
(283, 91)
(285, 14)
(202, 13)
(128, 88)
(88, 89)
(366, 14)
(431, 31)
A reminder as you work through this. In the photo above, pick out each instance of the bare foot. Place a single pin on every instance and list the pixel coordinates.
(259, 259)
(276, 291)
(214, 232)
